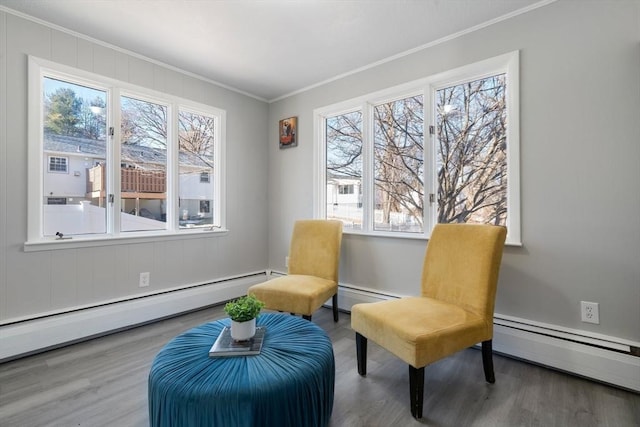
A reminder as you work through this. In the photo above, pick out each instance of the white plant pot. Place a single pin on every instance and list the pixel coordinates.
(242, 331)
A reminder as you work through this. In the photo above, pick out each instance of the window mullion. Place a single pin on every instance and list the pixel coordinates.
(430, 170)
(173, 149)
(320, 167)
(113, 161)
(368, 198)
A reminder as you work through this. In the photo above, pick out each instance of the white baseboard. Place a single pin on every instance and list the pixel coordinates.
(598, 357)
(30, 336)
(602, 358)
(601, 364)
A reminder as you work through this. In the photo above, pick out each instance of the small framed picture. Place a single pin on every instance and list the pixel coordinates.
(288, 130)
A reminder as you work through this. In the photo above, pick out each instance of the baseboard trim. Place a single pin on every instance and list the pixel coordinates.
(602, 358)
(26, 337)
(595, 356)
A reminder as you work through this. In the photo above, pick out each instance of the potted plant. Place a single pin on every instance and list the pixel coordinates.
(243, 312)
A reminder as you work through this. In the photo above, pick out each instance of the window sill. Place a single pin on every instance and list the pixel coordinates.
(47, 244)
(412, 236)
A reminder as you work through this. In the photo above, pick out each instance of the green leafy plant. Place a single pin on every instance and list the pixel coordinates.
(244, 308)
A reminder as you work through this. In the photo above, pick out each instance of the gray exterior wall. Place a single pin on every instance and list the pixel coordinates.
(580, 166)
(34, 283)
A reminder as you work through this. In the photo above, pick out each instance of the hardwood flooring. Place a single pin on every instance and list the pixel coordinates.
(103, 382)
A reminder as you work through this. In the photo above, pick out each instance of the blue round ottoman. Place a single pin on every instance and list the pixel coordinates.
(290, 383)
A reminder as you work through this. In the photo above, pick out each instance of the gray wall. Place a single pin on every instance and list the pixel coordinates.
(580, 166)
(39, 282)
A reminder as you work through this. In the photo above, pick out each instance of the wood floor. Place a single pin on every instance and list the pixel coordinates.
(103, 382)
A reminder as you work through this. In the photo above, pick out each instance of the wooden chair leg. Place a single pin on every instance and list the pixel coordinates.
(361, 354)
(487, 361)
(335, 307)
(306, 317)
(416, 390)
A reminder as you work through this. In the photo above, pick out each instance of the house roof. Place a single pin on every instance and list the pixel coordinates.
(131, 153)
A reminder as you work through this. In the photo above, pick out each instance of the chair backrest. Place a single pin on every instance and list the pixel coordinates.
(461, 266)
(315, 248)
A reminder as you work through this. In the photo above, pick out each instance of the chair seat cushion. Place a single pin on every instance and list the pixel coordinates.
(419, 330)
(295, 293)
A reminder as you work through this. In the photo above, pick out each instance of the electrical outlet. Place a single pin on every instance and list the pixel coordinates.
(590, 312)
(145, 279)
(286, 261)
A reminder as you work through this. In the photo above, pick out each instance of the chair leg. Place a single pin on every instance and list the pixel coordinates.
(306, 317)
(361, 354)
(487, 361)
(416, 390)
(335, 307)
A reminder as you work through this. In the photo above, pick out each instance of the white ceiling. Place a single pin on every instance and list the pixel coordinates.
(269, 48)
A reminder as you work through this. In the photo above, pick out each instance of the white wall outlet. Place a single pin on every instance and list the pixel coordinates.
(145, 279)
(286, 261)
(590, 312)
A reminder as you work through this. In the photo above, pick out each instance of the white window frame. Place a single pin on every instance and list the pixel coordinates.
(40, 68)
(503, 64)
(66, 164)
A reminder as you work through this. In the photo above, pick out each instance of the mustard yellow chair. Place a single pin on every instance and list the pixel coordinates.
(314, 257)
(454, 311)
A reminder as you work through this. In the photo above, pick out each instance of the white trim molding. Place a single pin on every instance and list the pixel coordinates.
(30, 336)
(595, 356)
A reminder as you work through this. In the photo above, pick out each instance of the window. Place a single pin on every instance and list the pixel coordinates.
(143, 151)
(343, 143)
(345, 189)
(144, 162)
(197, 154)
(58, 164)
(56, 200)
(442, 149)
(471, 151)
(398, 150)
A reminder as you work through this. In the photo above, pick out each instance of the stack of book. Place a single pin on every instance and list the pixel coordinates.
(225, 346)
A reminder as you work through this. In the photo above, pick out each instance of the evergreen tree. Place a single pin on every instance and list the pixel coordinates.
(63, 111)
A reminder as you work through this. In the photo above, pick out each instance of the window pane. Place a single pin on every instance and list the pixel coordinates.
(398, 165)
(57, 164)
(74, 130)
(344, 169)
(471, 152)
(197, 150)
(143, 165)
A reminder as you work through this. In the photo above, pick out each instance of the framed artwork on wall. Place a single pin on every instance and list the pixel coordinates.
(288, 132)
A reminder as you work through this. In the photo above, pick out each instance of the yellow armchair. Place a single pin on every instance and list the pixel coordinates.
(314, 257)
(454, 311)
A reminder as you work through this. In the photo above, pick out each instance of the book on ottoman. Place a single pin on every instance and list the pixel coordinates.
(225, 346)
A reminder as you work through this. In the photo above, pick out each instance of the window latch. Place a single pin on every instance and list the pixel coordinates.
(432, 198)
(110, 198)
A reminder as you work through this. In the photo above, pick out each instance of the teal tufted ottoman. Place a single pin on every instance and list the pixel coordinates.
(290, 383)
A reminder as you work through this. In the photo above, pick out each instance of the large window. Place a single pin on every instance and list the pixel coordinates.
(127, 161)
(443, 149)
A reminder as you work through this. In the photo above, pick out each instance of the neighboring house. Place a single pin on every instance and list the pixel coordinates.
(344, 202)
(74, 172)
(344, 199)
